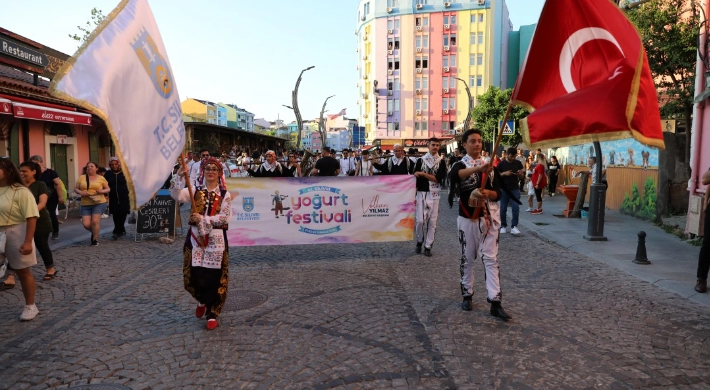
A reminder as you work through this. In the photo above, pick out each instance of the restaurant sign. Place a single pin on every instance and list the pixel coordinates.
(413, 143)
(23, 53)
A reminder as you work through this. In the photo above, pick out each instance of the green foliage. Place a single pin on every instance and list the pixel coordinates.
(490, 111)
(97, 16)
(669, 31)
(648, 204)
(638, 205)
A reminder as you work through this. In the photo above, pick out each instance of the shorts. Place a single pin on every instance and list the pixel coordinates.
(15, 238)
(538, 194)
(97, 209)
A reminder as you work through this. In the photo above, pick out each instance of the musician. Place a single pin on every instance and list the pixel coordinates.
(293, 166)
(364, 166)
(347, 164)
(270, 167)
(430, 170)
(478, 237)
(398, 164)
(326, 165)
(205, 252)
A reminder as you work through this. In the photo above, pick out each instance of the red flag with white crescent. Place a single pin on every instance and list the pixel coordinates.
(586, 78)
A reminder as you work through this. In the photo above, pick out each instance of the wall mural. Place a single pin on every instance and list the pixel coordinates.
(622, 153)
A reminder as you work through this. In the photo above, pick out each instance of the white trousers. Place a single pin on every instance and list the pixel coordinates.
(427, 212)
(479, 242)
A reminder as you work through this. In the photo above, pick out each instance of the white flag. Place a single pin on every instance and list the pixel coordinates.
(122, 74)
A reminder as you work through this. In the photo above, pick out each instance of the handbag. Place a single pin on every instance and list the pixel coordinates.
(96, 198)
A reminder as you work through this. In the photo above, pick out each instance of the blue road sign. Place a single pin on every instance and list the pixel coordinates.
(509, 128)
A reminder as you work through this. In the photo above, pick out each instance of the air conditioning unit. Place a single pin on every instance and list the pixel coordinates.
(390, 52)
(364, 116)
(389, 93)
(390, 31)
(389, 72)
(446, 90)
(365, 37)
(363, 16)
(481, 2)
(419, 70)
(389, 113)
(447, 4)
(447, 69)
(446, 112)
(446, 26)
(419, 50)
(418, 91)
(419, 6)
(364, 96)
(365, 77)
(419, 28)
(446, 48)
(419, 112)
(389, 10)
(364, 57)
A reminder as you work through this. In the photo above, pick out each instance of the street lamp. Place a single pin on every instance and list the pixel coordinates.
(321, 123)
(294, 103)
(467, 124)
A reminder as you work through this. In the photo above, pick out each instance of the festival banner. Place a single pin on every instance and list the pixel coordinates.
(321, 210)
(122, 75)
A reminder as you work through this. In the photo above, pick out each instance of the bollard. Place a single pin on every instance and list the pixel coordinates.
(641, 257)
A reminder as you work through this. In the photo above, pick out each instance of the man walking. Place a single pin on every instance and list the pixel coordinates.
(512, 171)
(430, 171)
(119, 205)
(398, 164)
(478, 237)
(326, 165)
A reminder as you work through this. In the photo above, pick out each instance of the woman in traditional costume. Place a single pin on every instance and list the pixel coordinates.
(205, 253)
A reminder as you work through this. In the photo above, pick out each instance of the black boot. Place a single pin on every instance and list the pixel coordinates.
(419, 248)
(467, 304)
(702, 286)
(497, 311)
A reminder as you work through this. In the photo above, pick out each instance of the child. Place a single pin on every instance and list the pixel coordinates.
(531, 189)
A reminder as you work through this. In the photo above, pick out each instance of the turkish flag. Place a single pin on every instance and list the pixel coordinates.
(586, 78)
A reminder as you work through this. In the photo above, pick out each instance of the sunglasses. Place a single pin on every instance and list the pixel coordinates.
(205, 155)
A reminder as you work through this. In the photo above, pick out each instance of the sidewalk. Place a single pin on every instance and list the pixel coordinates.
(72, 232)
(673, 262)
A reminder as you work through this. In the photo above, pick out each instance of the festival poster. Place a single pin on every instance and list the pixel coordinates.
(321, 210)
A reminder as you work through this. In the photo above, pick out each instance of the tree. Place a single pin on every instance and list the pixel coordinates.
(97, 16)
(489, 112)
(669, 31)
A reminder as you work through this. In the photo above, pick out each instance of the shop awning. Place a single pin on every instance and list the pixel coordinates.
(42, 113)
(5, 106)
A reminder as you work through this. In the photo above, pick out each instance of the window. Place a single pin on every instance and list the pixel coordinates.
(396, 24)
(390, 24)
(479, 81)
(418, 21)
(445, 82)
(479, 59)
(446, 61)
(445, 103)
(367, 8)
(472, 81)
(418, 83)
(425, 41)
(453, 39)
(425, 82)
(473, 17)
(393, 65)
(453, 19)
(452, 60)
(453, 82)
(393, 3)
(473, 38)
(452, 103)
(480, 18)
(449, 39)
(480, 38)
(472, 60)
(418, 104)
(396, 44)
(425, 21)
(396, 84)
(444, 126)
(422, 62)
(396, 105)
(425, 103)
(390, 105)
(418, 42)
(390, 86)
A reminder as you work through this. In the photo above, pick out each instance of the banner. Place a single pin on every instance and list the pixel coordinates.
(321, 210)
(122, 75)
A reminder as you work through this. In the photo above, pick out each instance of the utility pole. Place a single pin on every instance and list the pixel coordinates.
(321, 123)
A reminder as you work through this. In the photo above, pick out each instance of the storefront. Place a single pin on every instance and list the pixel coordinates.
(34, 123)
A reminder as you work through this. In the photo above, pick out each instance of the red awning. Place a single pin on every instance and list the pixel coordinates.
(5, 106)
(31, 111)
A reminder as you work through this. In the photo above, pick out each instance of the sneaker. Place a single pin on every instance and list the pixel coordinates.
(503, 230)
(94, 243)
(29, 313)
(55, 235)
(515, 230)
(536, 212)
(529, 209)
(418, 249)
(427, 252)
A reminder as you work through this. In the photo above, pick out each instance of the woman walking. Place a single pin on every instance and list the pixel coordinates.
(364, 166)
(554, 170)
(92, 188)
(539, 182)
(205, 253)
(30, 174)
(18, 218)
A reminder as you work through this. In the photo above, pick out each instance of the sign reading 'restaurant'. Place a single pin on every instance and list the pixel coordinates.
(23, 53)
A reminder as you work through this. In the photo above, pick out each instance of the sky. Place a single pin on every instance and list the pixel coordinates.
(248, 53)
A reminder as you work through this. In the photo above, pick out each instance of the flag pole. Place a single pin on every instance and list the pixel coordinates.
(484, 176)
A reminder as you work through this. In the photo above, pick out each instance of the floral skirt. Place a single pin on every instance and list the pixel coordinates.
(208, 286)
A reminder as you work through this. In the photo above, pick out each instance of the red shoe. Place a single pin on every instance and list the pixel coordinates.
(200, 311)
(536, 212)
(212, 323)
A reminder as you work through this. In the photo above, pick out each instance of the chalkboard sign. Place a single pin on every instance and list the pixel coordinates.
(158, 215)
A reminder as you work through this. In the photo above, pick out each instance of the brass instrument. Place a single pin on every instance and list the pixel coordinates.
(307, 163)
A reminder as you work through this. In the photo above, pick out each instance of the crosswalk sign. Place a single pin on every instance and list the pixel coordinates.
(509, 128)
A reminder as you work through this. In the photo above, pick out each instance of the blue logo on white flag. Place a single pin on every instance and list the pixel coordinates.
(248, 204)
(154, 63)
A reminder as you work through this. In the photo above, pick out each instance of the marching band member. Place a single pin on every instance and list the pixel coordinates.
(478, 237)
(430, 171)
(205, 252)
(270, 167)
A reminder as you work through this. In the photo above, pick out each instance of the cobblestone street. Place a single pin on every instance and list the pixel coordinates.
(352, 316)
